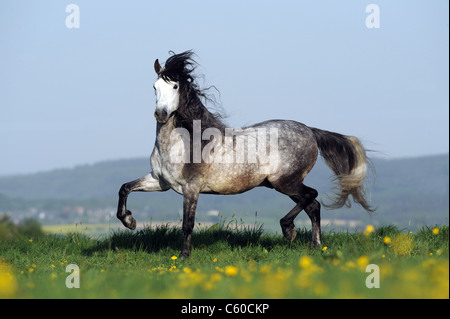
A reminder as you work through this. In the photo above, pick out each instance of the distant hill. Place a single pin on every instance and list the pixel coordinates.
(408, 191)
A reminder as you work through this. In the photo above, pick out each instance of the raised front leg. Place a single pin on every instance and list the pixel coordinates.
(189, 207)
(148, 183)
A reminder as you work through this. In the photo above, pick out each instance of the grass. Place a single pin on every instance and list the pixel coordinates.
(228, 262)
(86, 229)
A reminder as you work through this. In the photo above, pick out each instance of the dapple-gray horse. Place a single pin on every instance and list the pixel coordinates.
(195, 153)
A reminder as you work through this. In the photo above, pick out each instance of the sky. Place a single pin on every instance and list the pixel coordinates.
(79, 95)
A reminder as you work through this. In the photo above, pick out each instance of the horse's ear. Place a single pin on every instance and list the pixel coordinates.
(158, 67)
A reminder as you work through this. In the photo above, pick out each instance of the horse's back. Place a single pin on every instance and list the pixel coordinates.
(297, 150)
(290, 153)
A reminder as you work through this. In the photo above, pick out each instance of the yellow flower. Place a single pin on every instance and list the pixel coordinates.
(8, 283)
(320, 289)
(265, 269)
(214, 260)
(187, 270)
(174, 257)
(208, 285)
(324, 248)
(246, 275)
(303, 280)
(305, 262)
(402, 244)
(231, 271)
(348, 265)
(274, 286)
(30, 240)
(369, 229)
(387, 240)
(219, 269)
(435, 231)
(362, 262)
(216, 277)
(52, 266)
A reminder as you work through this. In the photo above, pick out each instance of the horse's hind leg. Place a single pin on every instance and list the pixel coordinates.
(287, 223)
(313, 211)
(305, 199)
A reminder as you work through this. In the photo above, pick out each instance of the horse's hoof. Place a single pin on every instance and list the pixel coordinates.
(184, 255)
(289, 232)
(129, 221)
(291, 236)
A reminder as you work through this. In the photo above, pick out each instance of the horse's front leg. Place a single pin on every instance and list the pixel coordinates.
(189, 206)
(148, 183)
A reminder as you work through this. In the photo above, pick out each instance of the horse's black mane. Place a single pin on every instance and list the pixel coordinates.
(180, 68)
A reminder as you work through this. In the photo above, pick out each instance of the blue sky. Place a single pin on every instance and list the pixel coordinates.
(76, 96)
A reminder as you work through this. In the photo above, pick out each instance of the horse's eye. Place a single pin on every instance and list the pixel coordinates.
(175, 87)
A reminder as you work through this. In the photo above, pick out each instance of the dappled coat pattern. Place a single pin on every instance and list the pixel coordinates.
(187, 130)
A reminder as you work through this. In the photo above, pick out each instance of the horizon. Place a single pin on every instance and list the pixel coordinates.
(99, 162)
(76, 80)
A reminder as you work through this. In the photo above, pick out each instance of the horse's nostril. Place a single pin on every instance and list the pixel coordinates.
(161, 115)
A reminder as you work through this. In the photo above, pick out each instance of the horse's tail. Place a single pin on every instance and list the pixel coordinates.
(347, 158)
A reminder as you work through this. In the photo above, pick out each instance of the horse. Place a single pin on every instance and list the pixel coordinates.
(195, 153)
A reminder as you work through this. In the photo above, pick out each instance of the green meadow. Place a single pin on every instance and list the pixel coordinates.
(227, 262)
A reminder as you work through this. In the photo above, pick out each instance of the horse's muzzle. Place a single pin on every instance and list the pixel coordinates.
(161, 116)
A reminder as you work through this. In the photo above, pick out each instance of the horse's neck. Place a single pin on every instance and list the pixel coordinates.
(167, 142)
(163, 131)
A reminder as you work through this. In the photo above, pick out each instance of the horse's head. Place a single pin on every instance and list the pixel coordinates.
(178, 94)
(167, 95)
